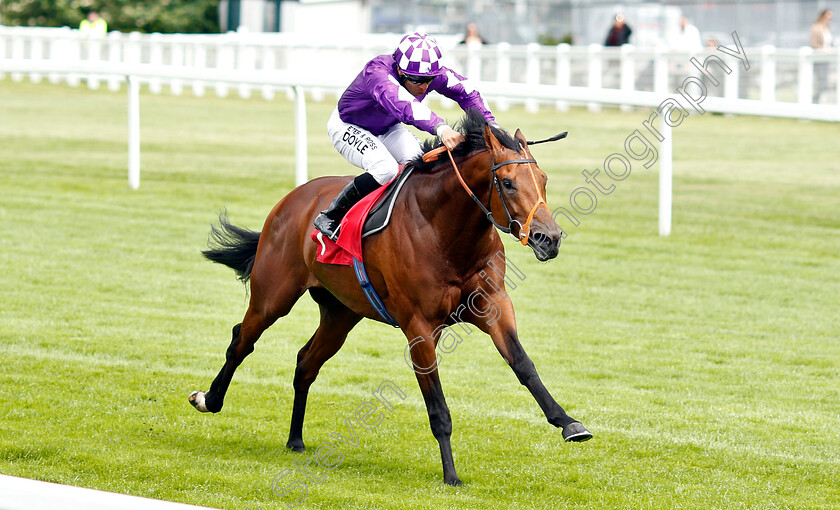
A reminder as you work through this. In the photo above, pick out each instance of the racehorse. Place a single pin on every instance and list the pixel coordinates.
(440, 247)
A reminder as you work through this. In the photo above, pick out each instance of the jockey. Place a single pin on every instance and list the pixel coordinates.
(367, 126)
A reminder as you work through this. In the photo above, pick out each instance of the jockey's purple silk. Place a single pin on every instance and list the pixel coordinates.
(376, 100)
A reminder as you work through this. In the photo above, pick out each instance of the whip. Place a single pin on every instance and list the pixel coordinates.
(552, 139)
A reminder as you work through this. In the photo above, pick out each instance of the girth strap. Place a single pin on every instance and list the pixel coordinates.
(371, 294)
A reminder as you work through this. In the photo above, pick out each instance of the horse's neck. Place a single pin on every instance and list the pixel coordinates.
(460, 226)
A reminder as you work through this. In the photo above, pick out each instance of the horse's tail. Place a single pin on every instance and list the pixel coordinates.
(233, 246)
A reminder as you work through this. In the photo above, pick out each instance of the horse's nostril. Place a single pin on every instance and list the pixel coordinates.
(545, 246)
(540, 238)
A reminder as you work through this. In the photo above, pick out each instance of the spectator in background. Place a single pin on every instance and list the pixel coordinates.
(471, 36)
(619, 33)
(686, 38)
(717, 72)
(94, 25)
(821, 41)
(820, 31)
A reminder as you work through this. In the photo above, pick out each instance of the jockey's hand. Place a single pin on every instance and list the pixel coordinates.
(451, 138)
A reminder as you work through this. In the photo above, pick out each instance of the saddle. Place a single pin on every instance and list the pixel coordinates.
(368, 217)
(380, 213)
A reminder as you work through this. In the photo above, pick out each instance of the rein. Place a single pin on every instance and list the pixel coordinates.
(524, 230)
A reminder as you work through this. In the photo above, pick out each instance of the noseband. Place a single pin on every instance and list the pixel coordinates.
(524, 230)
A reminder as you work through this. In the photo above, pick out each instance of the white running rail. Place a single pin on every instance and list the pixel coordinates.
(25, 494)
(532, 75)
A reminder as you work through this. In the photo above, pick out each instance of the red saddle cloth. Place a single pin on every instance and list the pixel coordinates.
(349, 242)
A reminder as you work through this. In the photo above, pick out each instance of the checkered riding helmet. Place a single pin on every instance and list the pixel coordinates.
(418, 54)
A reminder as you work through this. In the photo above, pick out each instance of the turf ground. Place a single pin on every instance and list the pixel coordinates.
(706, 363)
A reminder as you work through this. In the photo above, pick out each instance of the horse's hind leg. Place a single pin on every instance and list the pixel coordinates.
(336, 322)
(268, 303)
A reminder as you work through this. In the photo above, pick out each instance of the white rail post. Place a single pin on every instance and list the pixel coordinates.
(502, 72)
(532, 74)
(115, 55)
(837, 79)
(562, 73)
(176, 43)
(805, 75)
(36, 53)
(665, 175)
(660, 71)
(74, 54)
(300, 135)
(269, 63)
(18, 49)
(133, 48)
(311, 53)
(57, 52)
(246, 60)
(133, 132)
(156, 59)
(628, 71)
(225, 58)
(473, 62)
(596, 73)
(3, 33)
(199, 62)
(93, 42)
(732, 83)
(768, 73)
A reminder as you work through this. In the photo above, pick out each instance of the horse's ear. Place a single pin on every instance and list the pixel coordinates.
(491, 141)
(522, 141)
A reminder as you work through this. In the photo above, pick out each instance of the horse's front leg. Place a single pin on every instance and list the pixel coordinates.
(501, 326)
(420, 352)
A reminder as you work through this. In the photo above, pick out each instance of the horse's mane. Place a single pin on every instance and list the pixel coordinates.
(472, 127)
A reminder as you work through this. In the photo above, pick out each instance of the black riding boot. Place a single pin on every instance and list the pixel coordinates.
(330, 219)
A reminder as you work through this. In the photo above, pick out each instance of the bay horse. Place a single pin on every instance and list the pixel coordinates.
(439, 248)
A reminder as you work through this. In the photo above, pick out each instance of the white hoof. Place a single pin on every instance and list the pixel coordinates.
(197, 400)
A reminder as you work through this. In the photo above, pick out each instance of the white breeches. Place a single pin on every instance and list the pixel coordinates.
(381, 155)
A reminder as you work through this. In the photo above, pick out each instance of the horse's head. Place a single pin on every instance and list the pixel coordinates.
(520, 196)
(516, 202)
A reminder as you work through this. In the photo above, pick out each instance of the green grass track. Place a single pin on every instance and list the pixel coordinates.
(707, 363)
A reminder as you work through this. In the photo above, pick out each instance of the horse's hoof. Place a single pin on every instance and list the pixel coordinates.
(197, 401)
(576, 432)
(296, 445)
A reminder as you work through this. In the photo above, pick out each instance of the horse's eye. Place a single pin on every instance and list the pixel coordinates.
(507, 184)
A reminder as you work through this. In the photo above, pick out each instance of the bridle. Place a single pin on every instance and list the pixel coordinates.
(524, 229)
